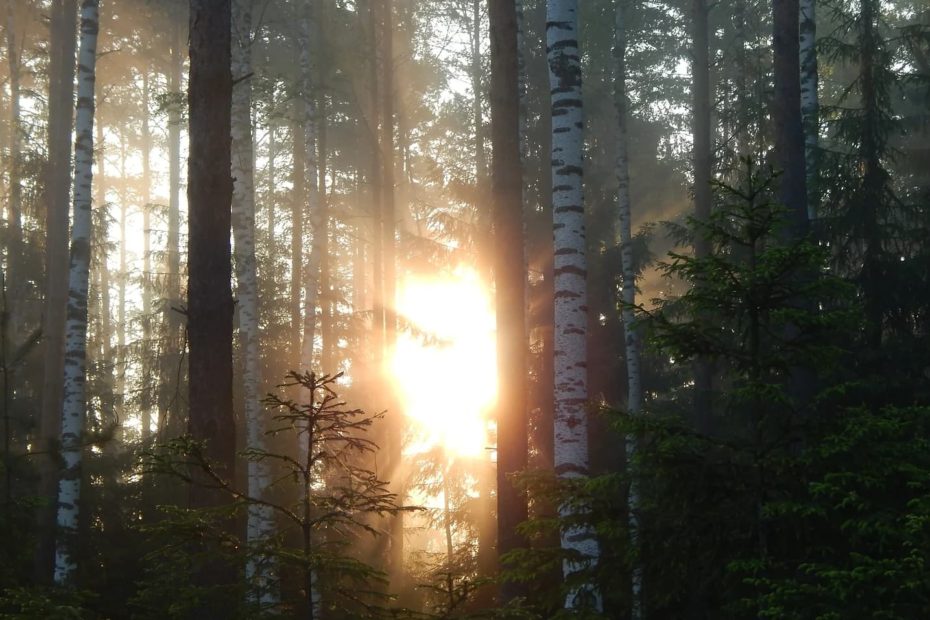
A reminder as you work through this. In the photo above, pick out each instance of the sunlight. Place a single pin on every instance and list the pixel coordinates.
(445, 366)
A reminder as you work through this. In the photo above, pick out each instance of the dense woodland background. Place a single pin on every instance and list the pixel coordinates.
(715, 403)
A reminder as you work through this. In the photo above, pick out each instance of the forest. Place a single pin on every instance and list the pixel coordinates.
(454, 309)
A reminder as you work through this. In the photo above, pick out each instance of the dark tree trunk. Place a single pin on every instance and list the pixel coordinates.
(700, 69)
(63, 41)
(509, 276)
(786, 115)
(210, 305)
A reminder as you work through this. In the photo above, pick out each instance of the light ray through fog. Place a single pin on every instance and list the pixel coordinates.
(444, 366)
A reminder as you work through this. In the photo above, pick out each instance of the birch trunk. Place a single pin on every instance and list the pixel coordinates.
(73, 402)
(810, 106)
(260, 528)
(570, 273)
(628, 291)
(309, 48)
(63, 41)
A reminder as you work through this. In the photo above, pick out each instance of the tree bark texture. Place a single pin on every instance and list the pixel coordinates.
(628, 290)
(260, 568)
(810, 102)
(703, 163)
(75, 371)
(509, 279)
(210, 306)
(786, 115)
(63, 42)
(570, 273)
(169, 407)
(309, 66)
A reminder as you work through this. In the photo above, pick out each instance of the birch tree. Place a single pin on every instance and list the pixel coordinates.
(74, 400)
(810, 106)
(260, 527)
(628, 290)
(63, 43)
(309, 45)
(570, 272)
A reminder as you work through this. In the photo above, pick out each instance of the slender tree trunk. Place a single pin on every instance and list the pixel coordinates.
(873, 175)
(703, 161)
(171, 372)
(327, 304)
(271, 197)
(743, 123)
(122, 327)
(62, 41)
(810, 103)
(299, 198)
(145, 396)
(309, 66)
(786, 116)
(15, 202)
(210, 305)
(106, 325)
(570, 269)
(260, 568)
(483, 213)
(74, 399)
(510, 279)
(628, 293)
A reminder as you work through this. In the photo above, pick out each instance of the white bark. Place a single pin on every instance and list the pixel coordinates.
(309, 32)
(72, 415)
(260, 528)
(810, 107)
(570, 270)
(628, 291)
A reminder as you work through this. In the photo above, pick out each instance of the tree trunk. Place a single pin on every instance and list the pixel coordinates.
(14, 214)
(62, 41)
(74, 397)
(628, 294)
(510, 280)
(703, 161)
(122, 327)
(810, 103)
(260, 528)
(309, 55)
(171, 373)
(145, 396)
(570, 270)
(210, 305)
(299, 198)
(786, 116)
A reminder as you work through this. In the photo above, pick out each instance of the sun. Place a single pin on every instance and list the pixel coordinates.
(444, 366)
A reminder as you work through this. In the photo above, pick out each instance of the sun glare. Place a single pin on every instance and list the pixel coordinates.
(445, 366)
